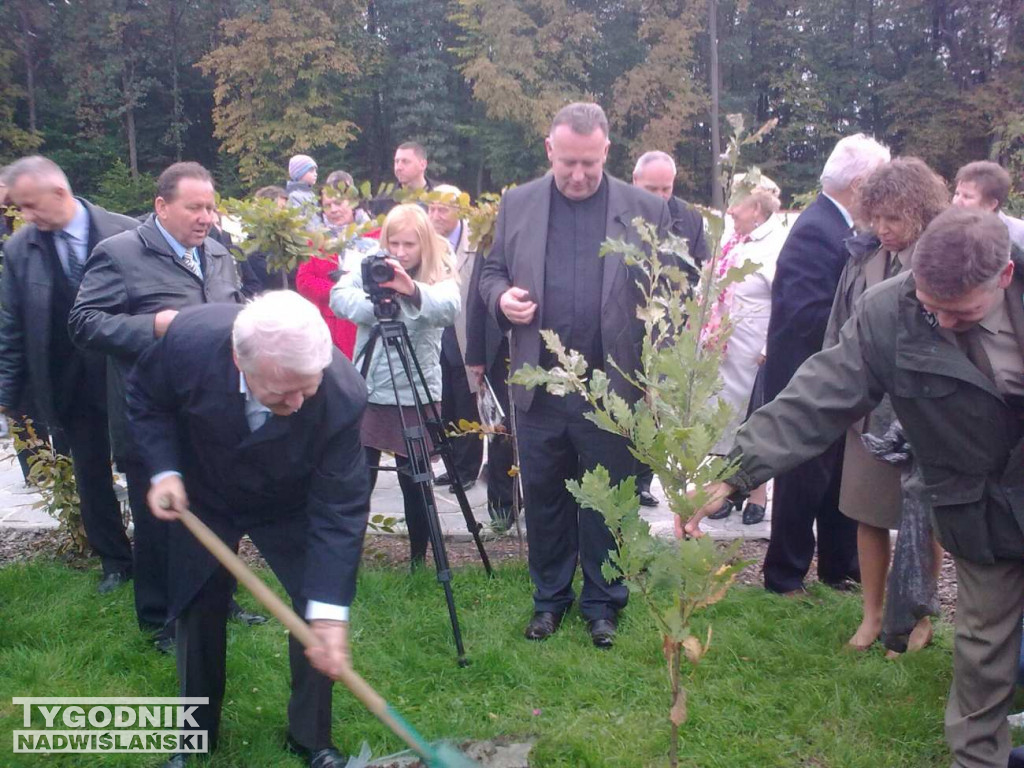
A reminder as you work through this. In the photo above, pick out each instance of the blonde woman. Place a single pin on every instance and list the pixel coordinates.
(428, 300)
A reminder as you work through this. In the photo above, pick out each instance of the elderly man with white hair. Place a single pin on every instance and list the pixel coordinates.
(250, 417)
(806, 277)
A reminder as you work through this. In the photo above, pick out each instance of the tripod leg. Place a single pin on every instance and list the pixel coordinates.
(443, 448)
(415, 437)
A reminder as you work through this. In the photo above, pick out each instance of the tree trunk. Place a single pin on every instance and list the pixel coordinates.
(716, 150)
(27, 54)
(177, 107)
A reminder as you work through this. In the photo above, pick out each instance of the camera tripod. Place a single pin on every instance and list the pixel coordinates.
(400, 356)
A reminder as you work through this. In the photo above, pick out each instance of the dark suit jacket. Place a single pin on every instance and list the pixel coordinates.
(689, 224)
(298, 485)
(806, 277)
(128, 279)
(26, 311)
(483, 334)
(518, 258)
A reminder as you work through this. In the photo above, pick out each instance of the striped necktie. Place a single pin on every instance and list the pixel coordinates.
(191, 263)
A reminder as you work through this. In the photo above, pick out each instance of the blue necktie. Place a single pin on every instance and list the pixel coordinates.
(76, 264)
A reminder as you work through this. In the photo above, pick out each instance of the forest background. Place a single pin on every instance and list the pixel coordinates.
(115, 90)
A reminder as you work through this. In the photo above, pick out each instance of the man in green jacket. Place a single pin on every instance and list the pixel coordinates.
(946, 343)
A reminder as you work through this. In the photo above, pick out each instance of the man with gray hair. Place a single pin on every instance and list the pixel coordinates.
(250, 418)
(945, 342)
(544, 273)
(806, 277)
(43, 266)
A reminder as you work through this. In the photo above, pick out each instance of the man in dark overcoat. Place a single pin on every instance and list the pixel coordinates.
(804, 287)
(250, 417)
(43, 266)
(544, 272)
(133, 286)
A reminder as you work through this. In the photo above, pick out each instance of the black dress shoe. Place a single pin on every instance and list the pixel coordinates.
(112, 581)
(602, 632)
(648, 499)
(176, 761)
(543, 625)
(753, 514)
(163, 640)
(328, 757)
(442, 479)
(722, 512)
(465, 486)
(238, 613)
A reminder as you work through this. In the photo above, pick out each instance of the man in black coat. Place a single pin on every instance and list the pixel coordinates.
(544, 272)
(655, 171)
(43, 266)
(804, 287)
(487, 355)
(250, 417)
(134, 285)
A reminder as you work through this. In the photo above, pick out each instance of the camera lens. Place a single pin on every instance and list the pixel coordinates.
(381, 272)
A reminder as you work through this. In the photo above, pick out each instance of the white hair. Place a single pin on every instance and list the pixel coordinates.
(854, 157)
(38, 168)
(284, 328)
(654, 156)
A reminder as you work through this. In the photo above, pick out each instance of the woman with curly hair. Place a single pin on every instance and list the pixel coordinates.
(897, 202)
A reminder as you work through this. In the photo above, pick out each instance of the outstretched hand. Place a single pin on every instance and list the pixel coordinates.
(717, 493)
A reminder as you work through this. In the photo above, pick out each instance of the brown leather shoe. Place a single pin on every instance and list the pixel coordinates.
(602, 632)
(542, 625)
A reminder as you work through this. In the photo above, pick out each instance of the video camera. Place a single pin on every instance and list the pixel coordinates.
(376, 270)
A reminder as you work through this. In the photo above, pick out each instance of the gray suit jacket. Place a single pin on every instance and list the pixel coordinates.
(518, 258)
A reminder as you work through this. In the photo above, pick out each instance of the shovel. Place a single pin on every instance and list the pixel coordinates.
(439, 756)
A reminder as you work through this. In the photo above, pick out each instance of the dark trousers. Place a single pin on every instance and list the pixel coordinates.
(412, 495)
(85, 430)
(500, 455)
(556, 443)
(457, 402)
(644, 477)
(202, 651)
(150, 549)
(802, 497)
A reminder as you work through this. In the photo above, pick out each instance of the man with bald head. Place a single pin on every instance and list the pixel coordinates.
(544, 272)
(655, 171)
(43, 266)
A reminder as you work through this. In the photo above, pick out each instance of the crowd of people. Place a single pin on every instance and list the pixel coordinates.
(886, 309)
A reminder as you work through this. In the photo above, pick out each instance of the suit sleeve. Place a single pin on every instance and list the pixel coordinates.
(805, 283)
(12, 340)
(495, 276)
(476, 320)
(101, 318)
(830, 391)
(152, 404)
(338, 507)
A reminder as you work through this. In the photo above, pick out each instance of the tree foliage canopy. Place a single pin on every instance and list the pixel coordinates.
(240, 85)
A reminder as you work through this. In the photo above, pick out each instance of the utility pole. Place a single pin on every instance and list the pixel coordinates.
(716, 148)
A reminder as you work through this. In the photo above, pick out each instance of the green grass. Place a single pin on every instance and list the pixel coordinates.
(775, 690)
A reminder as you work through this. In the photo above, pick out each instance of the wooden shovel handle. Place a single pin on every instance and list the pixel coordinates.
(283, 613)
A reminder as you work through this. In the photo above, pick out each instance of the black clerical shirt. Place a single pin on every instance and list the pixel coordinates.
(574, 272)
